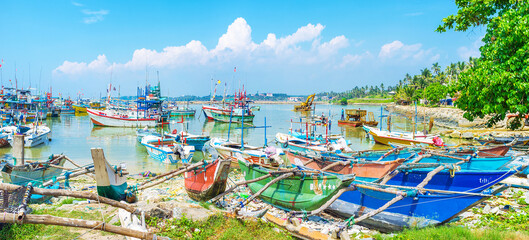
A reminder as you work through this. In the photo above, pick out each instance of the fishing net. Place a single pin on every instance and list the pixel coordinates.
(11, 201)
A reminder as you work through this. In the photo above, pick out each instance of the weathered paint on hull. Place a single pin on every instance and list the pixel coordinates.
(419, 211)
(22, 176)
(294, 193)
(368, 170)
(207, 182)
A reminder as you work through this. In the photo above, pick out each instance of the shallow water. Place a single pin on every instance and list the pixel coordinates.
(74, 135)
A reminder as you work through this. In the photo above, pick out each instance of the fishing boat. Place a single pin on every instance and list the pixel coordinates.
(111, 181)
(416, 209)
(167, 150)
(177, 111)
(298, 144)
(403, 138)
(4, 140)
(83, 107)
(238, 110)
(140, 133)
(520, 140)
(362, 169)
(208, 181)
(39, 171)
(265, 156)
(34, 135)
(196, 141)
(357, 118)
(131, 118)
(305, 191)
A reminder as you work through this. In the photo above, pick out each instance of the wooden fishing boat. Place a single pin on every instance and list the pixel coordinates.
(417, 208)
(196, 141)
(111, 181)
(222, 114)
(364, 169)
(357, 118)
(266, 156)
(111, 118)
(33, 171)
(140, 133)
(167, 150)
(4, 139)
(304, 145)
(306, 191)
(520, 141)
(418, 138)
(208, 181)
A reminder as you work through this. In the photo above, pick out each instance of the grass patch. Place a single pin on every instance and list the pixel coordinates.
(216, 227)
(39, 231)
(454, 232)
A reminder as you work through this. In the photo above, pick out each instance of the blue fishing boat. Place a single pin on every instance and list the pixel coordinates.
(167, 150)
(183, 137)
(416, 209)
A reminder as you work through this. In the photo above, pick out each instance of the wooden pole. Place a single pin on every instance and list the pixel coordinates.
(18, 149)
(72, 162)
(169, 176)
(335, 164)
(283, 176)
(75, 194)
(327, 204)
(72, 175)
(71, 222)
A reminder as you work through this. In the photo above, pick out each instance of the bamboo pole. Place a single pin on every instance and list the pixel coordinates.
(76, 194)
(283, 176)
(74, 174)
(379, 210)
(327, 204)
(71, 222)
(335, 164)
(72, 162)
(169, 176)
(238, 184)
(392, 174)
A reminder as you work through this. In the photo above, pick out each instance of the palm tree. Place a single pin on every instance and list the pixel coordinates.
(436, 68)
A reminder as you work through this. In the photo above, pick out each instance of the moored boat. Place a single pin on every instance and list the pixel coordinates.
(305, 191)
(265, 156)
(418, 138)
(208, 181)
(167, 150)
(39, 171)
(111, 118)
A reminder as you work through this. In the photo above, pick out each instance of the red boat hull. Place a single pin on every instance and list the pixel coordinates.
(207, 182)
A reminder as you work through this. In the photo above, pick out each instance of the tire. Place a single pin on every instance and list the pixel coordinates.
(284, 145)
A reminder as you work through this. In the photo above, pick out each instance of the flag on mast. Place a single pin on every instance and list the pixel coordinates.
(235, 69)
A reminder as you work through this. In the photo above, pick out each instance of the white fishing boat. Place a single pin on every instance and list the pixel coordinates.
(298, 144)
(130, 118)
(34, 135)
(34, 171)
(167, 150)
(267, 156)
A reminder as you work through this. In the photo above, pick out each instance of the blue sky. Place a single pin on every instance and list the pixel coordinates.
(295, 47)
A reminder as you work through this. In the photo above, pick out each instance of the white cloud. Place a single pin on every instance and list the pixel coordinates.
(235, 44)
(398, 51)
(353, 60)
(76, 68)
(471, 51)
(77, 4)
(94, 16)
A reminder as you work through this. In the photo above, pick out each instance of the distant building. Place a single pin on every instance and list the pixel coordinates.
(392, 93)
(269, 94)
(293, 99)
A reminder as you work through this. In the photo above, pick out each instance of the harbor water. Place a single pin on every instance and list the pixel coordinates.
(74, 135)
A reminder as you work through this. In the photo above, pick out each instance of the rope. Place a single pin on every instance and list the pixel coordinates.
(350, 221)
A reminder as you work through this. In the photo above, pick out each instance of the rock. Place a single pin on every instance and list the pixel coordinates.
(455, 134)
(495, 210)
(467, 135)
(486, 209)
(152, 210)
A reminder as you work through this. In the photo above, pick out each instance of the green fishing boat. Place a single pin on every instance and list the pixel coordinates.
(302, 192)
